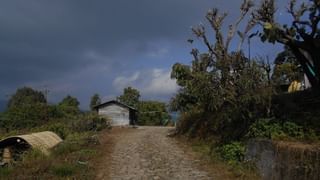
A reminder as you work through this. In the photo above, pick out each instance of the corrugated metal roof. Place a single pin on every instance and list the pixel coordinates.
(114, 102)
(42, 141)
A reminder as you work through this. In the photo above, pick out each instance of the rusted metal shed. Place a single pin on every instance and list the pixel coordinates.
(42, 141)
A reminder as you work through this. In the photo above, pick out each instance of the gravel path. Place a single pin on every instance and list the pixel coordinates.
(147, 153)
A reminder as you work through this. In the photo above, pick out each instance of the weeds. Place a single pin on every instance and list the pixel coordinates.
(63, 170)
(225, 157)
(272, 129)
(70, 159)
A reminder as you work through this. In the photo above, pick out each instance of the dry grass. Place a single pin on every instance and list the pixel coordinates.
(212, 162)
(72, 159)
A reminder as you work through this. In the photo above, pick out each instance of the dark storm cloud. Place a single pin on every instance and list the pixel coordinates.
(74, 45)
(43, 38)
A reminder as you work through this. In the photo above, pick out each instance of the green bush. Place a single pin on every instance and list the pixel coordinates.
(90, 122)
(272, 129)
(25, 116)
(188, 121)
(60, 129)
(233, 152)
(33, 155)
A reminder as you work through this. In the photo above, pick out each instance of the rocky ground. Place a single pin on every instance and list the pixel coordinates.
(148, 153)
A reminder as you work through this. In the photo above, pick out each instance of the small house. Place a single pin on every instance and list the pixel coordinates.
(119, 113)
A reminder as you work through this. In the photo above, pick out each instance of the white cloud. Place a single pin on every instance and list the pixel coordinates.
(160, 83)
(160, 52)
(121, 82)
(153, 83)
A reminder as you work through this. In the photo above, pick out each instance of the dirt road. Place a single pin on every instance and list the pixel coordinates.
(147, 153)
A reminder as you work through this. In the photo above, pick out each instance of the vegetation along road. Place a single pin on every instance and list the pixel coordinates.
(147, 153)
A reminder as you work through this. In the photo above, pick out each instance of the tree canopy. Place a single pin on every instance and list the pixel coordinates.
(95, 100)
(222, 86)
(26, 108)
(130, 97)
(69, 106)
(152, 113)
(26, 95)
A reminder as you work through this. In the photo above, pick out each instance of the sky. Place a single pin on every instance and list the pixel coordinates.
(81, 47)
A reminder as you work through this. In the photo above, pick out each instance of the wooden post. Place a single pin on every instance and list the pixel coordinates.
(7, 157)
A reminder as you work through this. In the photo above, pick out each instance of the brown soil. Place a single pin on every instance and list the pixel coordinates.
(148, 153)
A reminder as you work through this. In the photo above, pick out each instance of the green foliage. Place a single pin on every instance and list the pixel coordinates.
(225, 89)
(75, 142)
(63, 170)
(95, 100)
(130, 97)
(77, 129)
(69, 106)
(90, 122)
(152, 113)
(25, 96)
(55, 112)
(5, 172)
(26, 108)
(229, 103)
(33, 154)
(69, 101)
(287, 68)
(266, 128)
(302, 33)
(188, 123)
(233, 152)
(60, 129)
(79, 145)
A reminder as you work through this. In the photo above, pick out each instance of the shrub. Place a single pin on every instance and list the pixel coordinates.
(75, 142)
(60, 129)
(188, 121)
(272, 129)
(90, 122)
(25, 116)
(233, 152)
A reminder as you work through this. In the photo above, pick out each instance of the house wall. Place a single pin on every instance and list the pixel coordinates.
(119, 115)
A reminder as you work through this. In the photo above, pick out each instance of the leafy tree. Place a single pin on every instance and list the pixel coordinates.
(302, 36)
(287, 68)
(152, 113)
(130, 97)
(26, 95)
(69, 106)
(95, 100)
(229, 91)
(26, 108)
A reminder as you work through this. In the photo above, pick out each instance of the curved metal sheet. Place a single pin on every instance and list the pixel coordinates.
(42, 141)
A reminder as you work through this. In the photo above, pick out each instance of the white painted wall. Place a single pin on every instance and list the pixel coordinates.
(118, 114)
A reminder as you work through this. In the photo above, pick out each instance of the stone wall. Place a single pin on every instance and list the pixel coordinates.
(284, 160)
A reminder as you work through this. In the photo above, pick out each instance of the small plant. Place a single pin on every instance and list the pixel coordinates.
(90, 122)
(5, 172)
(272, 129)
(63, 170)
(60, 129)
(233, 153)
